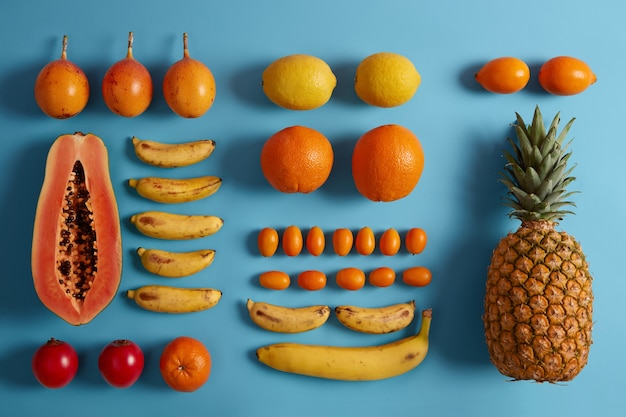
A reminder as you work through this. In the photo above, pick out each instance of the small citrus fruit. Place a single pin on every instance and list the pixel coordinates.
(61, 87)
(504, 75)
(415, 240)
(565, 76)
(299, 82)
(342, 241)
(312, 280)
(387, 163)
(267, 241)
(386, 79)
(417, 276)
(297, 159)
(189, 86)
(382, 277)
(389, 242)
(365, 241)
(274, 280)
(315, 241)
(350, 279)
(292, 240)
(185, 364)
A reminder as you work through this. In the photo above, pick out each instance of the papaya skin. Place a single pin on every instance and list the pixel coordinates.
(76, 257)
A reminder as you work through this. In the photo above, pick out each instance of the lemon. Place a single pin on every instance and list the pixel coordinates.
(386, 79)
(299, 82)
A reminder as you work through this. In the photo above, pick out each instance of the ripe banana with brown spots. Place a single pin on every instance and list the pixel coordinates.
(166, 299)
(171, 226)
(376, 320)
(172, 155)
(175, 264)
(282, 319)
(354, 363)
(173, 191)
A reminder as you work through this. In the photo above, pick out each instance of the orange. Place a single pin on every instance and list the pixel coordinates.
(565, 76)
(297, 159)
(387, 163)
(185, 364)
(504, 75)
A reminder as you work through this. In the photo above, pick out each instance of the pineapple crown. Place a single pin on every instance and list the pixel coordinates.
(536, 172)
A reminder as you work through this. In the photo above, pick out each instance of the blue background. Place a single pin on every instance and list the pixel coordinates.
(458, 200)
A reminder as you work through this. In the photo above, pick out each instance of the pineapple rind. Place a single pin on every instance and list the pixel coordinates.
(538, 305)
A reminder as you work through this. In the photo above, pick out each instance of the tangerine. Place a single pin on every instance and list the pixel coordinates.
(504, 75)
(185, 364)
(565, 76)
(297, 159)
(387, 163)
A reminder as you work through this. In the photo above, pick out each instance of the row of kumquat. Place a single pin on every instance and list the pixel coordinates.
(347, 278)
(343, 240)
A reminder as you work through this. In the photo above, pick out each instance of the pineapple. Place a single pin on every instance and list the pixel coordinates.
(538, 302)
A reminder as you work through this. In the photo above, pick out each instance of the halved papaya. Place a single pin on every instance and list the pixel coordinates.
(77, 246)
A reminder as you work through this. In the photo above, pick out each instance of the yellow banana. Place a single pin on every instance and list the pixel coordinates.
(287, 319)
(163, 225)
(172, 191)
(175, 264)
(357, 363)
(376, 320)
(165, 299)
(172, 155)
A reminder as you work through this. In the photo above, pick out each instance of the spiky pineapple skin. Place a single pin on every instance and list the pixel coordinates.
(538, 305)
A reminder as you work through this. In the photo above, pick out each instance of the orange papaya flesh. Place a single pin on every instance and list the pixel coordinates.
(76, 255)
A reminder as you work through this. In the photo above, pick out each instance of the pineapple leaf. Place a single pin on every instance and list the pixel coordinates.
(565, 131)
(532, 180)
(547, 165)
(536, 172)
(538, 129)
(525, 145)
(544, 189)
